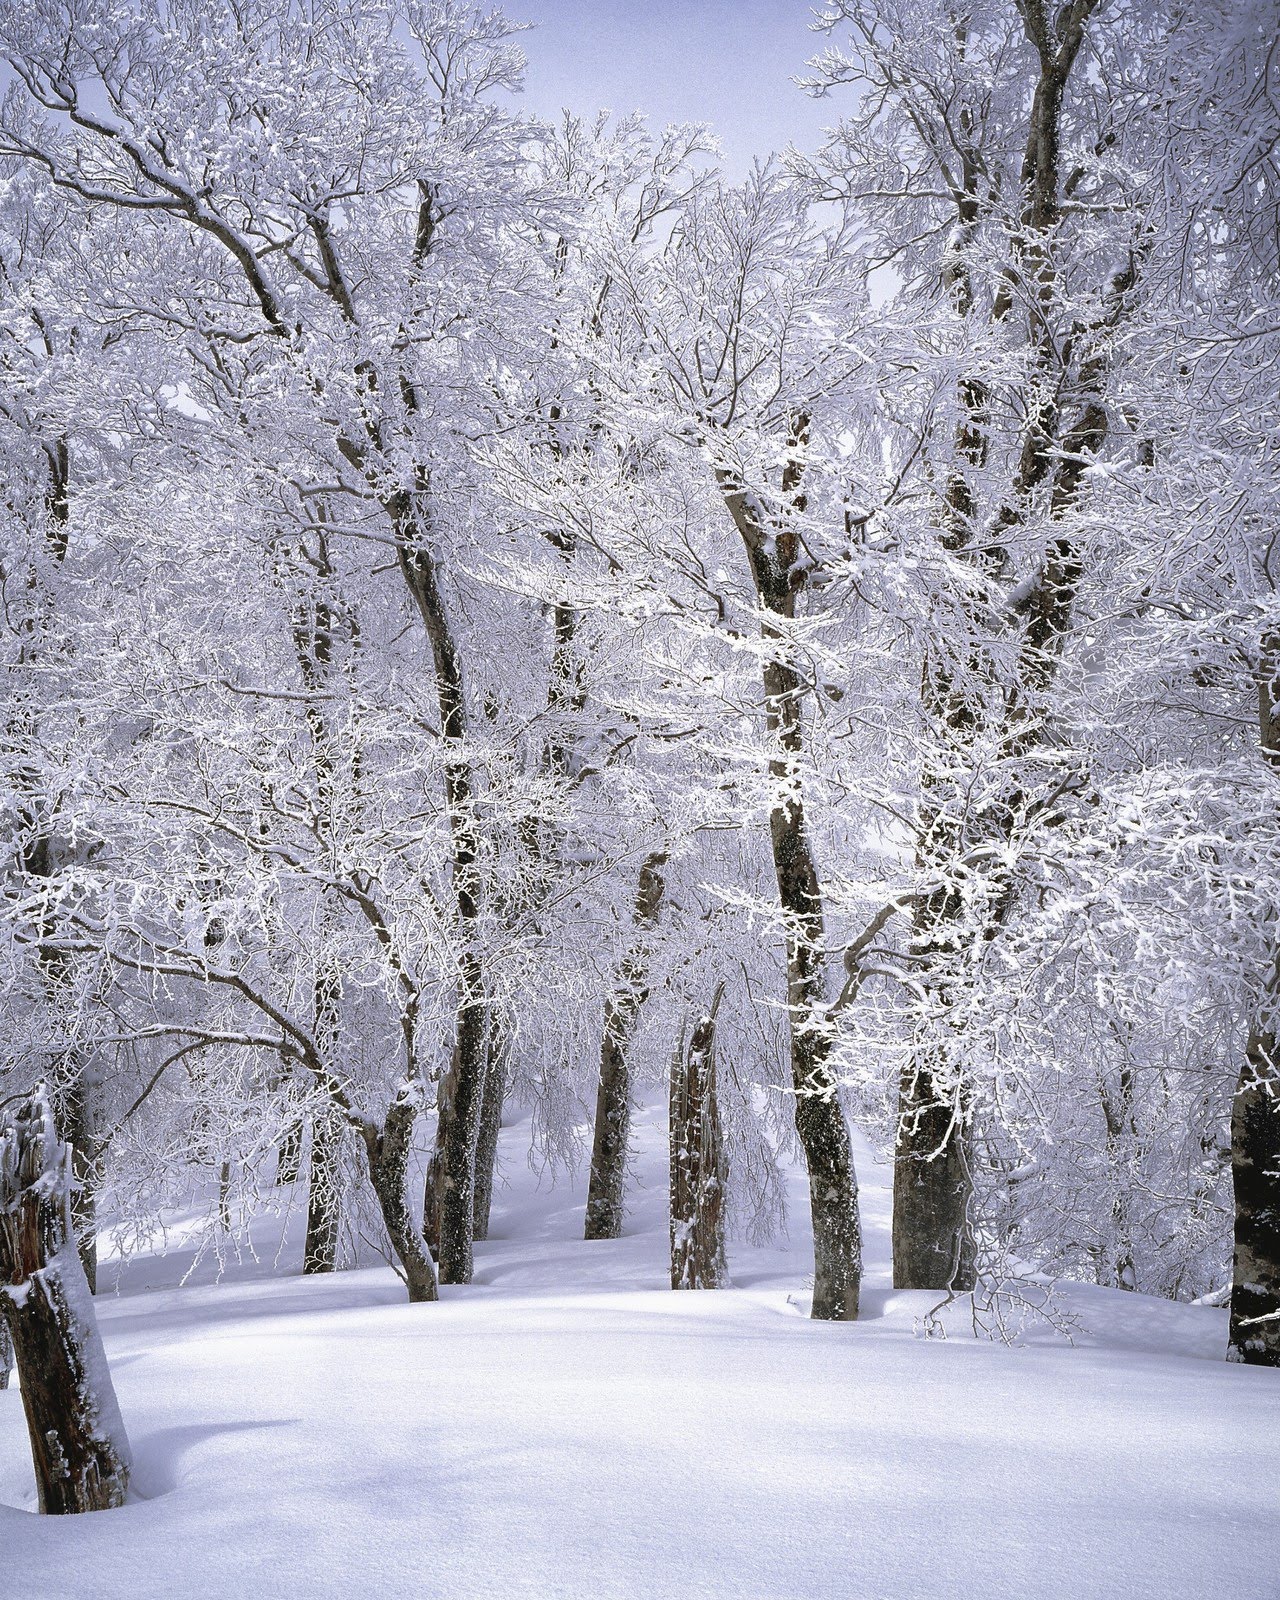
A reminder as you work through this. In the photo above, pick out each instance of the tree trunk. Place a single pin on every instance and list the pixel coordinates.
(933, 1246)
(495, 1088)
(1255, 1123)
(84, 1195)
(448, 1210)
(777, 569)
(78, 1443)
(289, 1157)
(932, 1237)
(1255, 1166)
(607, 1185)
(388, 1154)
(449, 1201)
(74, 1096)
(1122, 1135)
(699, 1172)
(6, 1352)
(324, 1195)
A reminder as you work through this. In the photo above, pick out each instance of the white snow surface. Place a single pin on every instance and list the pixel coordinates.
(569, 1427)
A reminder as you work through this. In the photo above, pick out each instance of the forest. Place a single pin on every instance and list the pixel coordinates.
(535, 668)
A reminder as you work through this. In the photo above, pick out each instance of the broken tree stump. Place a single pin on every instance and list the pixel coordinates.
(78, 1443)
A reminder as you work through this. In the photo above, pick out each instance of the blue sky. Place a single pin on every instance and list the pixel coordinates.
(726, 62)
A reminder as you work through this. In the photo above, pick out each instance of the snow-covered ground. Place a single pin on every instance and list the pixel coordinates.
(569, 1427)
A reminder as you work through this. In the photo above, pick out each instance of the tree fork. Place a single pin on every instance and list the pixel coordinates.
(388, 1154)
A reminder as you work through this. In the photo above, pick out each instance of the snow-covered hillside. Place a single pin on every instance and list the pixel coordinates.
(568, 1426)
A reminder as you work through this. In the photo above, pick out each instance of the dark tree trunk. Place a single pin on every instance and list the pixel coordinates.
(699, 1172)
(932, 1191)
(607, 1186)
(1255, 1124)
(73, 1097)
(495, 1089)
(6, 1352)
(324, 1195)
(388, 1154)
(289, 1157)
(448, 1209)
(84, 1193)
(449, 1202)
(1122, 1137)
(932, 1188)
(78, 1443)
(1255, 1166)
(824, 1137)
(611, 1134)
(933, 1247)
(777, 568)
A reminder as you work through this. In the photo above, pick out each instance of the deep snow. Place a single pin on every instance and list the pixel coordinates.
(569, 1427)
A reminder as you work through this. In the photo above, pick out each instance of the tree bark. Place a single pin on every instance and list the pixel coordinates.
(324, 1196)
(78, 1444)
(933, 1244)
(1122, 1135)
(607, 1186)
(699, 1172)
(289, 1155)
(1254, 1336)
(449, 1203)
(495, 1088)
(84, 1193)
(778, 571)
(933, 1247)
(74, 1095)
(388, 1154)
(451, 1181)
